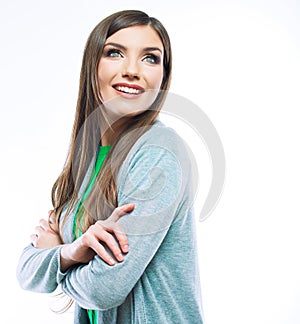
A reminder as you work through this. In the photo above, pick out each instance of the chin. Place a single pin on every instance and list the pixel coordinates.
(122, 109)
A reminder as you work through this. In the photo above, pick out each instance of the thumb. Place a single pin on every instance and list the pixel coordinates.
(120, 211)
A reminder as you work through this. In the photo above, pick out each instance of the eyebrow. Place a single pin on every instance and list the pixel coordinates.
(146, 49)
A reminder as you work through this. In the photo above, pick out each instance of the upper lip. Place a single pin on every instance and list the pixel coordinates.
(129, 85)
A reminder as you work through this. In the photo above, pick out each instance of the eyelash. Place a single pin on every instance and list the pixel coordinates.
(155, 58)
(111, 51)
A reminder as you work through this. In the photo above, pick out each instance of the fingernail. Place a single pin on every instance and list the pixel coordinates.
(112, 262)
(120, 257)
(125, 248)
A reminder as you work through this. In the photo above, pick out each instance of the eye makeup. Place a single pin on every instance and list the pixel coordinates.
(112, 52)
(116, 50)
(152, 58)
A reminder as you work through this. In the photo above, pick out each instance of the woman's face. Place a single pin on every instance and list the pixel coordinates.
(130, 71)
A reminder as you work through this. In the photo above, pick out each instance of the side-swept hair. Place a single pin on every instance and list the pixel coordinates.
(86, 134)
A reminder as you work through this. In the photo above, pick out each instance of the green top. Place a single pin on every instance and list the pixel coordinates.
(102, 154)
(158, 282)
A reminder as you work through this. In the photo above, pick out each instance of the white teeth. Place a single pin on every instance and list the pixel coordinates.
(128, 90)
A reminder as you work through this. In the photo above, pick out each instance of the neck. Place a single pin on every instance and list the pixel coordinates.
(111, 133)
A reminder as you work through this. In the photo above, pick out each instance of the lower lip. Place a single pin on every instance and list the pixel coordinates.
(128, 95)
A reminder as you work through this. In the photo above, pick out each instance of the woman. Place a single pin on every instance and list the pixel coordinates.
(120, 240)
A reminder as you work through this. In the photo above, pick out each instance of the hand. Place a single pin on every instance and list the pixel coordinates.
(47, 233)
(84, 249)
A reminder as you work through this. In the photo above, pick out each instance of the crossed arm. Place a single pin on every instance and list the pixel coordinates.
(84, 248)
(156, 198)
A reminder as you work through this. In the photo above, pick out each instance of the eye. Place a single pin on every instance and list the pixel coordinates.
(113, 52)
(151, 58)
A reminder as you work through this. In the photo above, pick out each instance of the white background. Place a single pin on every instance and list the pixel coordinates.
(237, 60)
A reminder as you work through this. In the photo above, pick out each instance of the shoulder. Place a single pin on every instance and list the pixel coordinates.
(161, 135)
(159, 157)
(155, 177)
(159, 139)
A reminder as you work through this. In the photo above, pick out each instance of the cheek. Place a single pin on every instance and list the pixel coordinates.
(157, 77)
(105, 73)
(102, 74)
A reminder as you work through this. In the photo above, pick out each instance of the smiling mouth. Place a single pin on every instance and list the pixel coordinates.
(129, 90)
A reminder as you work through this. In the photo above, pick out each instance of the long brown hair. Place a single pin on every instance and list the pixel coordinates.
(86, 134)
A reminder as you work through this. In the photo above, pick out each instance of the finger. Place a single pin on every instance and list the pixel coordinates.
(120, 211)
(110, 242)
(121, 237)
(51, 217)
(94, 244)
(33, 239)
(112, 245)
(44, 224)
(39, 230)
(53, 222)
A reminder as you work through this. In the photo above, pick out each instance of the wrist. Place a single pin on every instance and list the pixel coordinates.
(65, 260)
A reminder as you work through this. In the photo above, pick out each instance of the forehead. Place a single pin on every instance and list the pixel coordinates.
(136, 36)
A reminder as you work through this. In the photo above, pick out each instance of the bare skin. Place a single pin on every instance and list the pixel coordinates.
(130, 74)
(84, 248)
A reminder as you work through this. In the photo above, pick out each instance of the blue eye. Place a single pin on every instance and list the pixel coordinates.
(151, 58)
(113, 53)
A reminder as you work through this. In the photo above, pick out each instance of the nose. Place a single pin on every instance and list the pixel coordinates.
(131, 69)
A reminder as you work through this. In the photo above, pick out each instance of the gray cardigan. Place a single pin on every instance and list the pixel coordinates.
(158, 282)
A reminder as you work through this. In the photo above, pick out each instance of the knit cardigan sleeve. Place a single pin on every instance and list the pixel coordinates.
(155, 177)
(38, 269)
